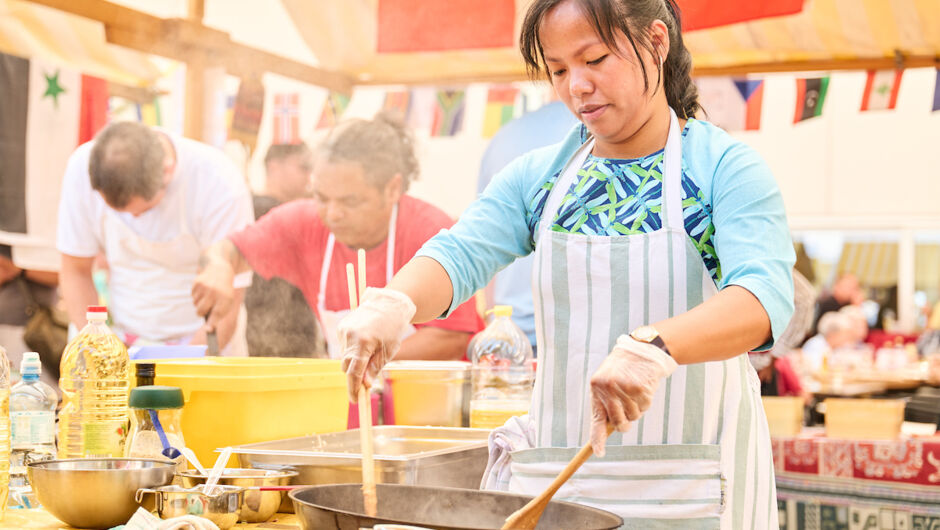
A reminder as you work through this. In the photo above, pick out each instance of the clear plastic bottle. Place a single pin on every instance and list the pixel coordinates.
(32, 417)
(94, 378)
(503, 372)
(4, 431)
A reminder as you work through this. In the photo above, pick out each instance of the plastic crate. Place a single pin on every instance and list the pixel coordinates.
(240, 400)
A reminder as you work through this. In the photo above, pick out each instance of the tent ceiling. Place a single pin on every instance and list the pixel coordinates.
(339, 39)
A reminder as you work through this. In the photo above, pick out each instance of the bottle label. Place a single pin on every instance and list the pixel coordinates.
(32, 427)
(103, 438)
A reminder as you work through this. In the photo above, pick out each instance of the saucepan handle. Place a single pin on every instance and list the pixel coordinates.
(139, 496)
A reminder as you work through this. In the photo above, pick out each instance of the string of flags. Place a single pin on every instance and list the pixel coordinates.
(734, 104)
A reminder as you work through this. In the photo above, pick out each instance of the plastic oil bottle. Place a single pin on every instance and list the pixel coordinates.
(94, 378)
(32, 416)
(503, 372)
(4, 431)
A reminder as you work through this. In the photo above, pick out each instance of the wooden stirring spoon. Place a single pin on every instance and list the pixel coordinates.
(527, 517)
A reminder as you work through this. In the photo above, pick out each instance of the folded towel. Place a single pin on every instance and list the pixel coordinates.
(516, 434)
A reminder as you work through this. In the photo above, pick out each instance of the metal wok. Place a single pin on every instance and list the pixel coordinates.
(339, 507)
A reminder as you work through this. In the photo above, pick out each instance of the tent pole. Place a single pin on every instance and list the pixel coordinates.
(906, 249)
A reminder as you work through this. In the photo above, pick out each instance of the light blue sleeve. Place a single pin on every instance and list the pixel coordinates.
(752, 238)
(490, 234)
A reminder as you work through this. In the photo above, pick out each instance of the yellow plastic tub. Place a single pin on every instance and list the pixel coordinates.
(429, 393)
(239, 400)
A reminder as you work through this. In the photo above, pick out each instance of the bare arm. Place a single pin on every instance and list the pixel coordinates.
(77, 287)
(214, 294)
(434, 344)
(427, 284)
(724, 326)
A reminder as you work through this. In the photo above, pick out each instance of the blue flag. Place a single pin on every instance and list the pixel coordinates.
(936, 92)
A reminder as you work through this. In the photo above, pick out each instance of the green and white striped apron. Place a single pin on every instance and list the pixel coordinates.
(700, 457)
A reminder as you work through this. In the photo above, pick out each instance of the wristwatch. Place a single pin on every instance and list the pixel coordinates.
(649, 335)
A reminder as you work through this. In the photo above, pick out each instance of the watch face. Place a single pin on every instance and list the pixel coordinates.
(645, 333)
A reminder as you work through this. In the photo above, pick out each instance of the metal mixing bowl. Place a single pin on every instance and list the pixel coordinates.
(96, 492)
(258, 506)
(221, 506)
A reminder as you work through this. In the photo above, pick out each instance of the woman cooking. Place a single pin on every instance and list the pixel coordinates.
(662, 255)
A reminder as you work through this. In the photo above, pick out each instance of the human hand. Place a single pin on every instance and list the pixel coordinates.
(371, 335)
(624, 385)
(213, 293)
(8, 271)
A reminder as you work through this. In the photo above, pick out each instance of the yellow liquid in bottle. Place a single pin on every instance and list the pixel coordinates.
(493, 413)
(95, 372)
(4, 449)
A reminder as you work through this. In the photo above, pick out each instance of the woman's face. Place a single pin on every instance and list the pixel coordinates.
(603, 89)
(353, 209)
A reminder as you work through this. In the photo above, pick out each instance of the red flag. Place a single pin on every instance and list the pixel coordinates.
(702, 14)
(423, 26)
(881, 89)
(94, 110)
(286, 118)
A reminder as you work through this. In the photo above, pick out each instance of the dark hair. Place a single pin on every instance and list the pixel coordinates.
(285, 151)
(632, 18)
(383, 145)
(126, 162)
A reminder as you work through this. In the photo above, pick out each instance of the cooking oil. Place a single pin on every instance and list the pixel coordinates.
(503, 373)
(95, 372)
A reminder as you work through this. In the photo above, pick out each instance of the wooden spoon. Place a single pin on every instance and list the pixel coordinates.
(527, 517)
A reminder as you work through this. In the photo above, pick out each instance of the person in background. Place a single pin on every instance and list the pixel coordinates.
(360, 178)
(14, 304)
(856, 316)
(845, 291)
(280, 323)
(836, 330)
(776, 372)
(150, 202)
(545, 126)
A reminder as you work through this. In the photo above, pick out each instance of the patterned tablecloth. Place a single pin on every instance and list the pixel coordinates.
(858, 485)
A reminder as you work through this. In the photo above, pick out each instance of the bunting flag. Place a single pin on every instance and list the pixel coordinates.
(286, 118)
(247, 112)
(333, 109)
(752, 90)
(149, 113)
(398, 103)
(810, 97)
(881, 89)
(500, 107)
(229, 111)
(448, 114)
(721, 102)
(45, 112)
(936, 93)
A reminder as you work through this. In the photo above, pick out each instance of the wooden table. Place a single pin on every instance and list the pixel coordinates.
(39, 519)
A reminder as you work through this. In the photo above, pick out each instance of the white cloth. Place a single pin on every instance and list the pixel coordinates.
(153, 257)
(516, 434)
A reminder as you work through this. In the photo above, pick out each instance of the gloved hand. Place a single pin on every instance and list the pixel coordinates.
(371, 335)
(623, 387)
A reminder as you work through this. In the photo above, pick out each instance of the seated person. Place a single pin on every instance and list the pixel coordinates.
(279, 321)
(856, 316)
(836, 330)
(845, 291)
(360, 179)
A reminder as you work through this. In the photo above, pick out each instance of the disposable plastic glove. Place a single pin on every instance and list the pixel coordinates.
(624, 385)
(371, 335)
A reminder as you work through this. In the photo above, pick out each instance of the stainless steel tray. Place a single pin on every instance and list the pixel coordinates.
(426, 456)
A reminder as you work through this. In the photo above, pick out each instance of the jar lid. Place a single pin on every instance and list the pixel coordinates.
(156, 397)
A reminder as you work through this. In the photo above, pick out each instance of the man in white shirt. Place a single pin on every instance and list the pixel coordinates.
(150, 202)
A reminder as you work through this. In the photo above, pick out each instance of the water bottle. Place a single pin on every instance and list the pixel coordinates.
(32, 415)
(94, 378)
(503, 371)
(4, 431)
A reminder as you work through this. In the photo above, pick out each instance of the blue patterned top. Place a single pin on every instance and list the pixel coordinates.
(617, 197)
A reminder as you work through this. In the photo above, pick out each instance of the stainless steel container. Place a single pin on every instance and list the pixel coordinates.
(221, 507)
(258, 506)
(427, 456)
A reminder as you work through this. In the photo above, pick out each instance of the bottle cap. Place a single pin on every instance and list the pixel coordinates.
(96, 312)
(30, 364)
(156, 397)
(502, 310)
(97, 309)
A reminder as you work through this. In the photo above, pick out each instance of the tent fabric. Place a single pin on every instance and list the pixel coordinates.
(33, 31)
(342, 35)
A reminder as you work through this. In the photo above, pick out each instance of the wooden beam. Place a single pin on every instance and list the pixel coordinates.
(827, 65)
(180, 39)
(196, 10)
(136, 94)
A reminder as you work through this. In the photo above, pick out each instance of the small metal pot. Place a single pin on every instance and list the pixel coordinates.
(222, 508)
(258, 506)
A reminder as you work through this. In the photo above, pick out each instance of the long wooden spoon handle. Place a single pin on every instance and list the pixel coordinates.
(583, 454)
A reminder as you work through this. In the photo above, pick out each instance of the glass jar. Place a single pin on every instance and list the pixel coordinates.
(156, 413)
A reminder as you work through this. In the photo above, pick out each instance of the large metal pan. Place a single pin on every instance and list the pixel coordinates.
(339, 507)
